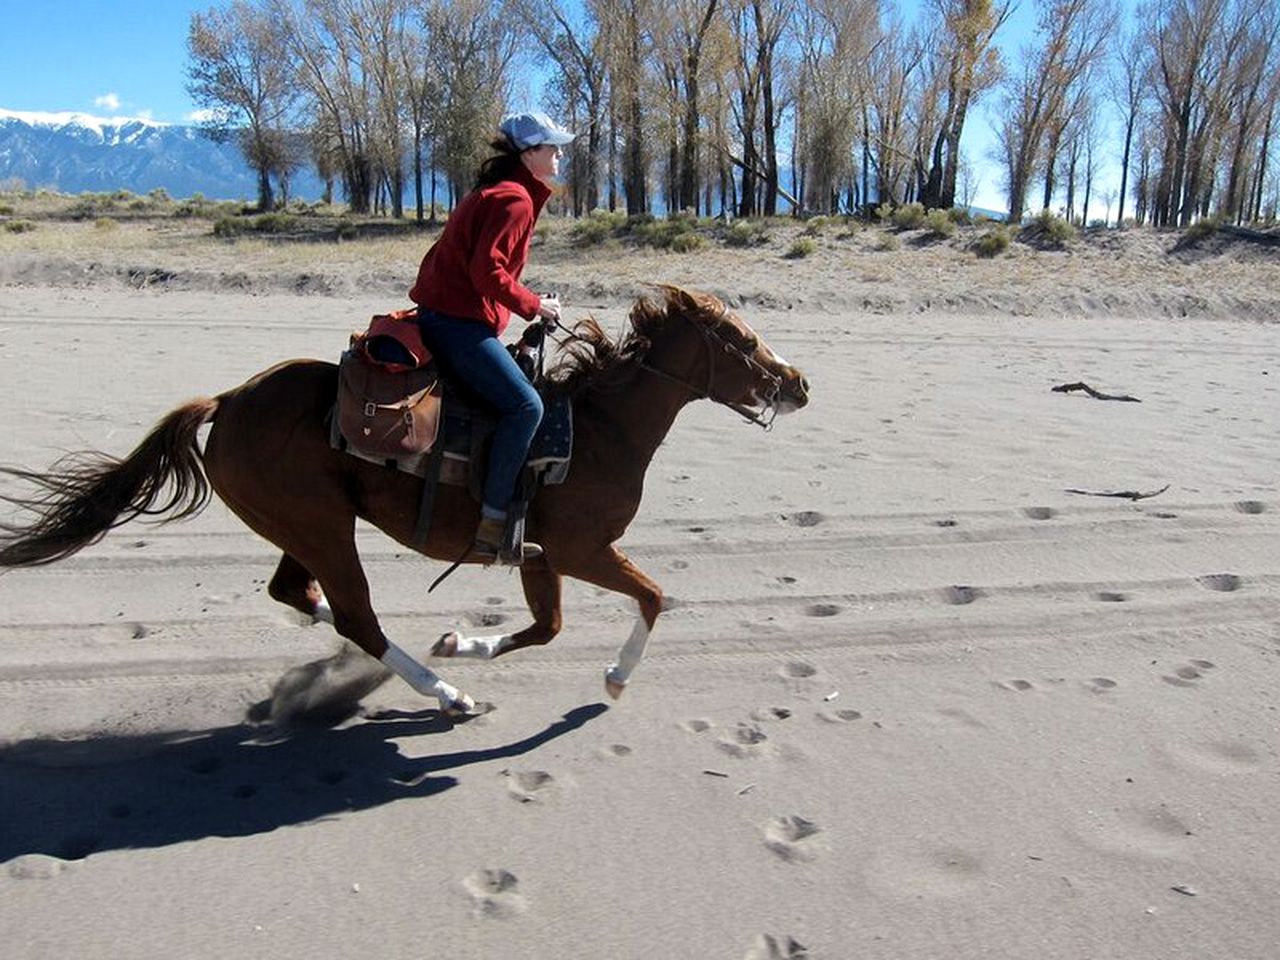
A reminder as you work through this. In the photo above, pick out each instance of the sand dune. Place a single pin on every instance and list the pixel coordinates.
(911, 698)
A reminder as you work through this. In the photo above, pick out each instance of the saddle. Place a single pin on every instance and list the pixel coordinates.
(397, 408)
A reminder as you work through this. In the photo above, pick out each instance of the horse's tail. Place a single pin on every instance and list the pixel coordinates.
(85, 495)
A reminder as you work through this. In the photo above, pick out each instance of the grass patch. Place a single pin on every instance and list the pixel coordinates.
(1202, 229)
(688, 243)
(1048, 229)
(745, 233)
(888, 243)
(940, 224)
(994, 242)
(597, 227)
(19, 226)
(909, 216)
(801, 247)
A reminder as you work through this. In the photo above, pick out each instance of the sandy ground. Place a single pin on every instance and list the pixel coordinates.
(911, 698)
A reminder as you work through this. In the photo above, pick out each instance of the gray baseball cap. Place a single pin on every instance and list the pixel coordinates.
(529, 130)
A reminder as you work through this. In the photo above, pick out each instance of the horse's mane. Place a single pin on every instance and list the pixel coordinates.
(589, 357)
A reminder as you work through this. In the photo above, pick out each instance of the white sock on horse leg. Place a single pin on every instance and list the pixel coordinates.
(323, 612)
(630, 654)
(419, 677)
(482, 648)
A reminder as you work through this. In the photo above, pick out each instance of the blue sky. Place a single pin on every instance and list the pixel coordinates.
(104, 58)
(130, 59)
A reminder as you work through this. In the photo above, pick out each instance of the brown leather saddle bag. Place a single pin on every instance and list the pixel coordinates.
(389, 408)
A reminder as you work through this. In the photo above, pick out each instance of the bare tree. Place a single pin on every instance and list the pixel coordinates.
(1128, 92)
(582, 83)
(473, 47)
(968, 65)
(895, 69)
(626, 45)
(834, 37)
(1039, 99)
(237, 70)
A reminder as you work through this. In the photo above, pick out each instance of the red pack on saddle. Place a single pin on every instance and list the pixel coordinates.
(388, 390)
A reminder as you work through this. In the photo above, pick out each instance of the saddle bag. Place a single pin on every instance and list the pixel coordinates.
(388, 390)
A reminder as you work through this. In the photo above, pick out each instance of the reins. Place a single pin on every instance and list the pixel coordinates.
(763, 417)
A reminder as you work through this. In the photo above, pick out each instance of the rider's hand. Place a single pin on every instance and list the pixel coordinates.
(549, 309)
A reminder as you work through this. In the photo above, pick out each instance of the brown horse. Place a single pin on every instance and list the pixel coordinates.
(269, 459)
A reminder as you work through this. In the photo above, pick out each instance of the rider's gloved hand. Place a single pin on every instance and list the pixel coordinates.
(549, 309)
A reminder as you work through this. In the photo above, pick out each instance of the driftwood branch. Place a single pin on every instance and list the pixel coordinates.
(1096, 394)
(1125, 494)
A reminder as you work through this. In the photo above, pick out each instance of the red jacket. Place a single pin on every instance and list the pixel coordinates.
(473, 270)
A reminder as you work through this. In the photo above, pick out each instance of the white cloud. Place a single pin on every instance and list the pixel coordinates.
(200, 116)
(108, 101)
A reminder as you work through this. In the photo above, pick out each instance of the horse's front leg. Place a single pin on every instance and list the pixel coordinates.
(542, 593)
(613, 570)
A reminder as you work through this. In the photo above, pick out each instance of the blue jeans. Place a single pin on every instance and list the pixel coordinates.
(471, 351)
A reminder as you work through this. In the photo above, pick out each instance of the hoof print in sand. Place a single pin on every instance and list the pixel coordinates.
(767, 714)
(617, 750)
(769, 947)
(1188, 674)
(1016, 686)
(960, 595)
(495, 893)
(1250, 506)
(839, 716)
(745, 742)
(529, 786)
(792, 838)
(1109, 596)
(797, 670)
(205, 765)
(805, 518)
(1038, 513)
(822, 610)
(1100, 684)
(1220, 582)
(697, 725)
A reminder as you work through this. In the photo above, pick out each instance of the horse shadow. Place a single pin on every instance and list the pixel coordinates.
(67, 799)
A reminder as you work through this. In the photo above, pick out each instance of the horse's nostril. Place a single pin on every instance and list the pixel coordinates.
(804, 384)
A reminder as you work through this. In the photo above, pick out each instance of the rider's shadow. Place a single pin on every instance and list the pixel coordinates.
(68, 799)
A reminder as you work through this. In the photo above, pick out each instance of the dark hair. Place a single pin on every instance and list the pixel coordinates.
(501, 166)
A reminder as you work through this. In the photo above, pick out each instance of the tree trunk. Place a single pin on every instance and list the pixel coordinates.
(1124, 166)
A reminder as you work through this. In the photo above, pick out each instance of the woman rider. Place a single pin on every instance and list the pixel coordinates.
(469, 285)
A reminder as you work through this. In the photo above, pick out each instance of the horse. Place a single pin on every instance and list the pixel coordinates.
(269, 458)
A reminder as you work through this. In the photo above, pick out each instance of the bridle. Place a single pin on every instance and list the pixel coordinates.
(716, 343)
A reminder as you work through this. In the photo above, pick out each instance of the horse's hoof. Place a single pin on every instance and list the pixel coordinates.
(464, 706)
(447, 645)
(322, 612)
(612, 685)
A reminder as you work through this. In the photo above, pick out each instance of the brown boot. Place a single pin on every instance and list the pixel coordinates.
(488, 546)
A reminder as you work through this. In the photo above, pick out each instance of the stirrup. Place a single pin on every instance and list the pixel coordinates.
(489, 553)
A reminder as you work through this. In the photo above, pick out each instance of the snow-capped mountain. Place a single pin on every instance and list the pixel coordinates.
(74, 152)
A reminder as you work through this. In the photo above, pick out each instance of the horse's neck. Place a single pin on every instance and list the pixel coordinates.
(640, 414)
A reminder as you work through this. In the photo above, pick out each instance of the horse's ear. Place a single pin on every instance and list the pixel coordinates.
(692, 303)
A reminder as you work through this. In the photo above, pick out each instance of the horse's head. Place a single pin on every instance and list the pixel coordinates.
(732, 364)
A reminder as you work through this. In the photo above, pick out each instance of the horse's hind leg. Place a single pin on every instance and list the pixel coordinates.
(342, 578)
(321, 550)
(542, 593)
(293, 585)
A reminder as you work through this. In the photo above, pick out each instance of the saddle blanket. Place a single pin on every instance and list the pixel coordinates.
(549, 453)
